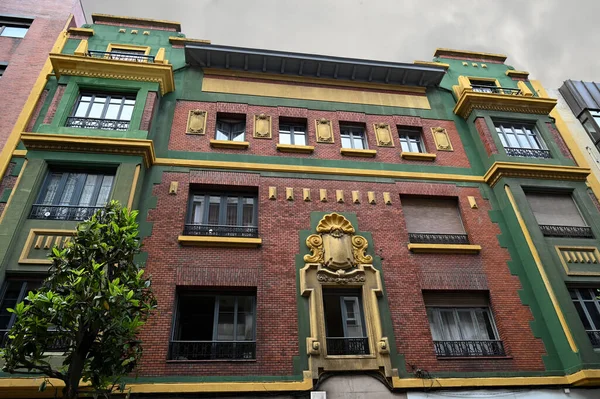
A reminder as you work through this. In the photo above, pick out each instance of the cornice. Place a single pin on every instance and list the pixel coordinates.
(534, 171)
(517, 74)
(470, 100)
(77, 65)
(81, 31)
(441, 52)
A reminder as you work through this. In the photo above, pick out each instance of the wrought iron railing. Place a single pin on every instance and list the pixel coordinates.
(219, 230)
(495, 90)
(469, 348)
(62, 212)
(347, 346)
(527, 152)
(57, 345)
(212, 350)
(566, 231)
(594, 336)
(121, 56)
(97, 123)
(431, 238)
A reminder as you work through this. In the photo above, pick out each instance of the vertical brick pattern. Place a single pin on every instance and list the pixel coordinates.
(486, 136)
(60, 91)
(36, 111)
(559, 141)
(149, 109)
(180, 141)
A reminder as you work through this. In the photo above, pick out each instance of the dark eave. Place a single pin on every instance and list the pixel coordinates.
(309, 65)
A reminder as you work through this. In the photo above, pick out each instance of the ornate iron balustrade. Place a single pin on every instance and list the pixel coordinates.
(121, 56)
(430, 238)
(594, 336)
(469, 348)
(57, 345)
(528, 152)
(566, 231)
(347, 346)
(219, 230)
(97, 123)
(62, 212)
(496, 90)
(212, 350)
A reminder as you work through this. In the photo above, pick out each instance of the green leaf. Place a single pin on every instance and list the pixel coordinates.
(42, 387)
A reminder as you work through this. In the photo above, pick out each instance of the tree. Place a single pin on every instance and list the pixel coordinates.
(93, 304)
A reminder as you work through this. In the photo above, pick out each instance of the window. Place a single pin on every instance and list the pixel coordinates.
(353, 137)
(231, 128)
(102, 111)
(344, 322)
(484, 86)
(521, 140)
(14, 27)
(2, 69)
(292, 133)
(211, 326)
(431, 220)
(462, 324)
(588, 307)
(72, 195)
(128, 55)
(225, 215)
(12, 293)
(558, 215)
(410, 140)
(591, 123)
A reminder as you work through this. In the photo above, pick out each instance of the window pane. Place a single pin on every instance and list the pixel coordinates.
(583, 316)
(51, 189)
(88, 190)
(198, 209)
(359, 142)
(225, 326)
(346, 142)
(112, 112)
(450, 329)
(248, 212)
(586, 294)
(69, 189)
(594, 315)
(285, 138)
(232, 211)
(436, 329)
(299, 139)
(223, 130)
(107, 182)
(467, 325)
(484, 322)
(213, 209)
(237, 133)
(405, 146)
(11, 298)
(14, 32)
(245, 327)
(82, 108)
(97, 108)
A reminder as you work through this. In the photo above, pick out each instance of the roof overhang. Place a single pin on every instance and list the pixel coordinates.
(314, 66)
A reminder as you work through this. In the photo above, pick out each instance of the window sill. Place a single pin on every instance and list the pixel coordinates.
(418, 156)
(444, 248)
(212, 361)
(298, 149)
(234, 145)
(232, 242)
(351, 152)
(473, 357)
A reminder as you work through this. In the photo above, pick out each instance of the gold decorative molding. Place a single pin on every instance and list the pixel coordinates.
(181, 41)
(306, 194)
(289, 193)
(433, 64)
(445, 248)
(323, 195)
(371, 197)
(470, 100)
(472, 202)
(272, 193)
(383, 132)
(324, 131)
(533, 171)
(356, 197)
(387, 198)
(232, 145)
(579, 261)
(262, 126)
(298, 149)
(442, 141)
(173, 187)
(351, 152)
(81, 31)
(196, 123)
(91, 67)
(40, 241)
(517, 74)
(418, 156)
(231, 242)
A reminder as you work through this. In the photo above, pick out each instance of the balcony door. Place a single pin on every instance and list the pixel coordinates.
(344, 322)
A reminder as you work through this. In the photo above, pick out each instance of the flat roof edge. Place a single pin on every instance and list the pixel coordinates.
(134, 20)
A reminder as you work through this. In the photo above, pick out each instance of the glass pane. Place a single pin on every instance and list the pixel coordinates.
(299, 139)
(512, 140)
(14, 32)
(112, 112)
(485, 327)
(248, 212)
(285, 138)
(225, 328)
(232, 207)
(405, 146)
(346, 142)
(502, 139)
(97, 108)
(50, 193)
(573, 294)
(238, 131)
(213, 209)
(129, 102)
(223, 130)
(359, 142)
(450, 329)
(436, 328)
(107, 182)
(88, 190)
(594, 315)
(467, 326)
(126, 113)
(245, 327)
(586, 294)
(69, 190)
(82, 108)
(583, 316)
(11, 297)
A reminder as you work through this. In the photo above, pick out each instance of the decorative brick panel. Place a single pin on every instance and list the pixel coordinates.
(224, 178)
(60, 91)
(559, 141)
(149, 109)
(486, 136)
(36, 111)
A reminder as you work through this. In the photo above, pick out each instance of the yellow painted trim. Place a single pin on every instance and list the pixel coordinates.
(136, 176)
(594, 250)
(418, 156)
(441, 52)
(14, 189)
(117, 46)
(23, 259)
(434, 64)
(29, 107)
(470, 100)
(569, 140)
(306, 79)
(517, 74)
(317, 93)
(206, 241)
(19, 153)
(233, 145)
(534, 171)
(181, 41)
(541, 270)
(351, 152)
(300, 149)
(136, 21)
(444, 248)
(81, 31)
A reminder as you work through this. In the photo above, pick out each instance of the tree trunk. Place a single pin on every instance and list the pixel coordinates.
(71, 389)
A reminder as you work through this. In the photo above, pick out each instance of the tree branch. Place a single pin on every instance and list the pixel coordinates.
(44, 369)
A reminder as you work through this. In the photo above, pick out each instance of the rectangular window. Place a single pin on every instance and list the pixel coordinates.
(344, 322)
(72, 195)
(102, 111)
(12, 293)
(521, 140)
(222, 214)
(353, 137)
(14, 27)
(410, 140)
(484, 86)
(462, 324)
(231, 127)
(558, 215)
(431, 220)
(292, 133)
(591, 123)
(128, 55)
(209, 326)
(2, 69)
(588, 308)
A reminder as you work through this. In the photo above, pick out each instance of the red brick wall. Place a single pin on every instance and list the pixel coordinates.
(60, 91)
(270, 269)
(149, 109)
(486, 136)
(559, 141)
(472, 59)
(181, 141)
(36, 111)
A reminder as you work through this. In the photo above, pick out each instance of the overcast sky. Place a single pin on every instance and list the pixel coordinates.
(554, 40)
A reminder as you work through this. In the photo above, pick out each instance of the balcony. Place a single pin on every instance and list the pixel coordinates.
(430, 238)
(212, 350)
(566, 231)
(496, 90)
(594, 336)
(62, 212)
(96, 123)
(122, 56)
(527, 152)
(468, 348)
(57, 345)
(220, 230)
(347, 346)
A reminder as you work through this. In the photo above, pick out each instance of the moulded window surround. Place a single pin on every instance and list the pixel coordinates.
(345, 327)
(231, 128)
(587, 305)
(521, 140)
(353, 137)
(292, 134)
(128, 52)
(14, 27)
(102, 111)
(214, 327)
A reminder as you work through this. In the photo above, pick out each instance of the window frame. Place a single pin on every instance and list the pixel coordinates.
(492, 83)
(109, 96)
(472, 310)
(231, 120)
(408, 133)
(582, 302)
(352, 132)
(529, 126)
(15, 22)
(292, 132)
(222, 207)
(591, 117)
(128, 52)
(25, 284)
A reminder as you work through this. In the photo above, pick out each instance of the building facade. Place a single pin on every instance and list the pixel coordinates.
(317, 226)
